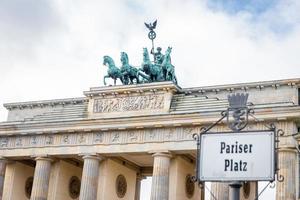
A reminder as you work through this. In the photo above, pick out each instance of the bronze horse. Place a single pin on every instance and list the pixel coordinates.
(167, 67)
(130, 73)
(113, 71)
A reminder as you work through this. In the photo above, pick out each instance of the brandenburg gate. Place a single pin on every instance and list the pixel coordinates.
(102, 145)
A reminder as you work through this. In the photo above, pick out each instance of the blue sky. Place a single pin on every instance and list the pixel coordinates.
(255, 7)
(258, 11)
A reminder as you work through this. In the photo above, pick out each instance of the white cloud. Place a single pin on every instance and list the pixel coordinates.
(55, 49)
(66, 40)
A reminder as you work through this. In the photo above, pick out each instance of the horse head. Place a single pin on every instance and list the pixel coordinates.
(108, 60)
(124, 58)
(145, 55)
(167, 57)
(168, 51)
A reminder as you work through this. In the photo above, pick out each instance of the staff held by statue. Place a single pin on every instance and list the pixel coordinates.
(152, 34)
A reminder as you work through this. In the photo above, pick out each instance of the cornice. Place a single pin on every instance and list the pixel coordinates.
(129, 89)
(244, 86)
(44, 103)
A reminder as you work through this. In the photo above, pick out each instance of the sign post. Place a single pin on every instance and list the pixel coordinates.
(235, 194)
(236, 156)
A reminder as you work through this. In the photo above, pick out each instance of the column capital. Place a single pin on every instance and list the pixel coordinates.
(161, 154)
(44, 158)
(92, 156)
(288, 149)
(140, 176)
(6, 160)
(3, 159)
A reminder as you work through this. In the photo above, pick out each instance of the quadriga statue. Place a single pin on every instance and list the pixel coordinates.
(159, 70)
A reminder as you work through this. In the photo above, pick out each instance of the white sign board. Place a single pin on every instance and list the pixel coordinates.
(243, 156)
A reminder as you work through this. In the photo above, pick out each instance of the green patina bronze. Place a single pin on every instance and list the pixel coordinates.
(158, 56)
(154, 71)
(130, 73)
(167, 67)
(161, 69)
(113, 71)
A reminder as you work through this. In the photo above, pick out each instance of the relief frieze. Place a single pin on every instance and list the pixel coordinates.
(33, 140)
(49, 139)
(65, 139)
(130, 103)
(82, 138)
(4, 142)
(19, 141)
(133, 136)
(115, 137)
(99, 138)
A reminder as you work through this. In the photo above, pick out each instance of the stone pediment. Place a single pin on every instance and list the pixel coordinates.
(130, 100)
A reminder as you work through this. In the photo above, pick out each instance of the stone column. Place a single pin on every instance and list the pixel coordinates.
(139, 179)
(220, 191)
(286, 190)
(41, 178)
(89, 179)
(287, 161)
(3, 162)
(160, 177)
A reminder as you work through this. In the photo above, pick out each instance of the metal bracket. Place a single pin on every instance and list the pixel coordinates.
(197, 137)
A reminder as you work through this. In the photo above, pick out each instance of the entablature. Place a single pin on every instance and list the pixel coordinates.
(139, 122)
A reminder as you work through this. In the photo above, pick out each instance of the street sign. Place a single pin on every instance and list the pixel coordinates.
(241, 156)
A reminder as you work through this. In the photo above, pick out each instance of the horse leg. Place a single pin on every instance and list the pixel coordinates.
(122, 77)
(153, 78)
(165, 72)
(170, 74)
(175, 79)
(126, 80)
(167, 76)
(105, 78)
(136, 77)
(122, 80)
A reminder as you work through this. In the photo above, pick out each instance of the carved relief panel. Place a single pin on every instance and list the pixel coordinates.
(117, 137)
